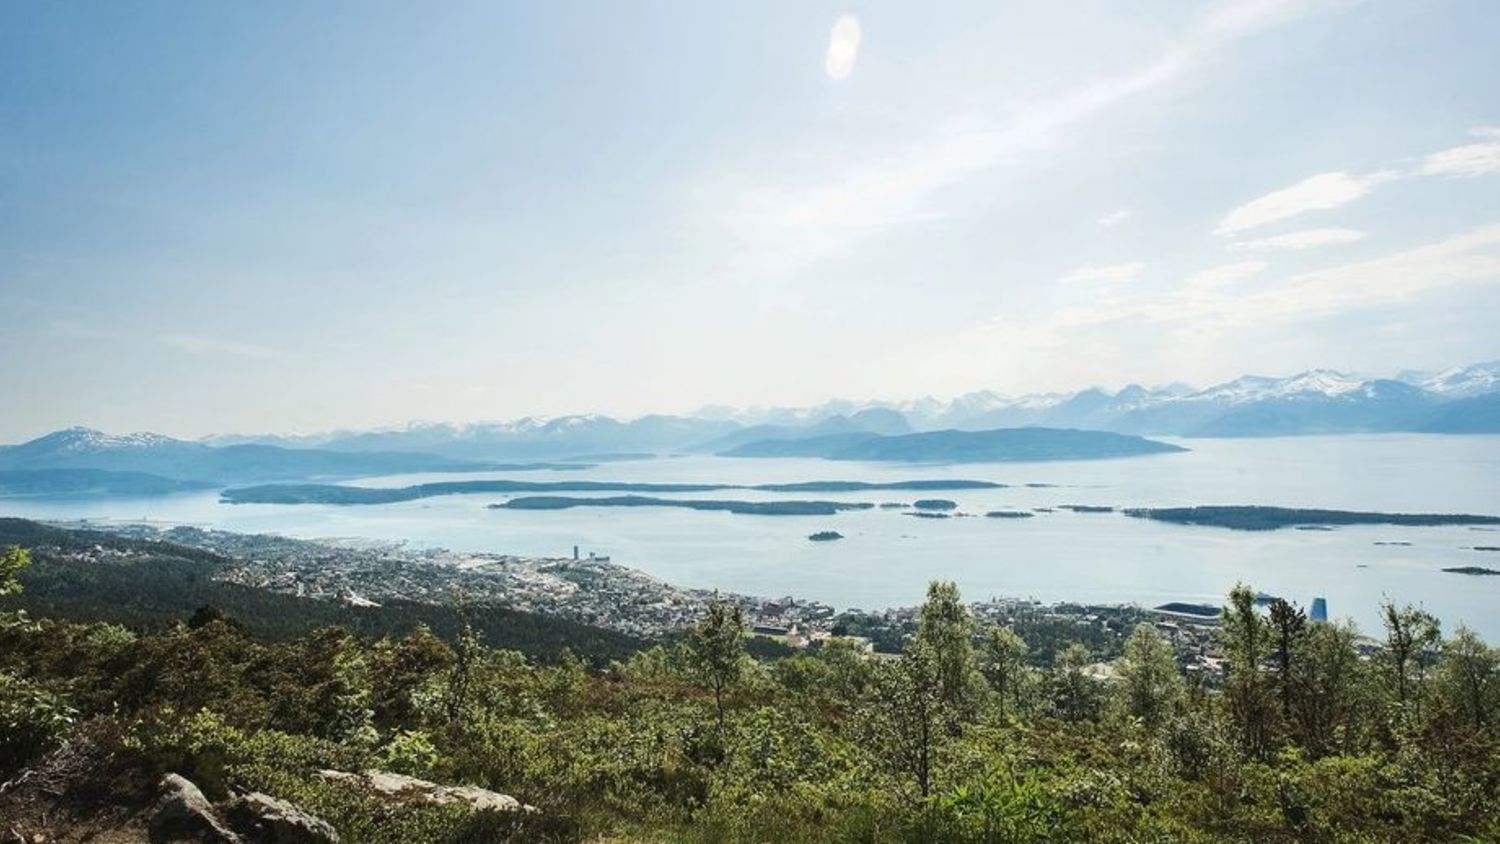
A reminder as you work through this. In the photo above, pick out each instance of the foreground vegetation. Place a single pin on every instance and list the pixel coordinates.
(967, 736)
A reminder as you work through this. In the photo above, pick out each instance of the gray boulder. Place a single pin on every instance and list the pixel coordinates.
(402, 787)
(182, 815)
(263, 819)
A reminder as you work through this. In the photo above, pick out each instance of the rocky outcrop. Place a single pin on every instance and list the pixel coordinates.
(402, 787)
(183, 814)
(263, 819)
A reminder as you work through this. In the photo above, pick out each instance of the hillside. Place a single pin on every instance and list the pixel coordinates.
(152, 585)
(74, 483)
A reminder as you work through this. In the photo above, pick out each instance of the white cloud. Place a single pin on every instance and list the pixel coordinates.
(1331, 190)
(1304, 239)
(1110, 274)
(843, 48)
(1315, 193)
(1479, 159)
(1114, 218)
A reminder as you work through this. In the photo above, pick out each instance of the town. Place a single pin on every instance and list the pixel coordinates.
(590, 588)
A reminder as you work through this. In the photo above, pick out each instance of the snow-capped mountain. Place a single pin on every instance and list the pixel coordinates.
(1461, 381)
(1460, 400)
(80, 440)
(1249, 388)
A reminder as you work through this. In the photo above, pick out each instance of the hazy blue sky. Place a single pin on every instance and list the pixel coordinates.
(276, 216)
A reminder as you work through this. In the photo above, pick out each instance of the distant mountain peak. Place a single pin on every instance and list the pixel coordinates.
(82, 440)
(1462, 381)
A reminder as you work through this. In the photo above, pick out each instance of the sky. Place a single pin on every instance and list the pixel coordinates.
(255, 217)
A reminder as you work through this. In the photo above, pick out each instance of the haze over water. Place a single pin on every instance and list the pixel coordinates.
(886, 559)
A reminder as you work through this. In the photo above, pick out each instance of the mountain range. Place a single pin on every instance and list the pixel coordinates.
(1319, 401)
(1463, 400)
(83, 460)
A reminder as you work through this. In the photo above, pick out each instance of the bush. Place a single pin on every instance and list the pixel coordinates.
(32, 720)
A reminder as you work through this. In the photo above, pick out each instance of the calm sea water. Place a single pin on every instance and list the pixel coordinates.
(887, 559)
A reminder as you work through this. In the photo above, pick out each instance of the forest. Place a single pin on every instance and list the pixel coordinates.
(970, 734)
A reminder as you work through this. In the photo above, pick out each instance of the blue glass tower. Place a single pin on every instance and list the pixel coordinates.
(1319, 609)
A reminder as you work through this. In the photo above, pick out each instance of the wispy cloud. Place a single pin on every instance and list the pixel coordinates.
(201, 345)
(1315, 193)
(1114, 218)
(1109, 274)
(1473, 255)
(1479, 159)
(855, 193)
(843, 48)
(1304, 239)
(1338, 188)
(1216, 301)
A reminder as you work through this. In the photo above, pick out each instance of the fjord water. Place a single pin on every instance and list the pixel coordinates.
(886, 559)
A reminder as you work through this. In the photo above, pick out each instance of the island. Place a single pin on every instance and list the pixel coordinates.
(952, 446)
(1253, 517)
(1472, 570)
(752, 508)
(927, 514)
(1194, 610)
(825, 536)
(1009, 514)
(935, 504)
(348, 495)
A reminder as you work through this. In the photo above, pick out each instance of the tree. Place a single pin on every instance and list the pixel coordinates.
(717, 647)
(467, 652)
(1469, 678)
(1245, 690)
(946, 628)
(1153, 686)
(1410, 634)
(1004, 666)
(1288, 625)
(1327, 688)
(1075, 695)
(12, 561)
(909, 717)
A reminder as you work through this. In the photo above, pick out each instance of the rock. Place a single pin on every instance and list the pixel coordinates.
(263, 819)
(183, 814)
(403, 787)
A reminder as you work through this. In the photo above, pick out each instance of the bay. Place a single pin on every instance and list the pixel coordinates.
(886, 559)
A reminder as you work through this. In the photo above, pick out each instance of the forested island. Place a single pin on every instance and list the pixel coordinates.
(1275, 518)
(751, 508)
(935, 504)
(344, 494)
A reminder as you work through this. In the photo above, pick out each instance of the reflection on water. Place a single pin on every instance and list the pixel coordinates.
(886, 559)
